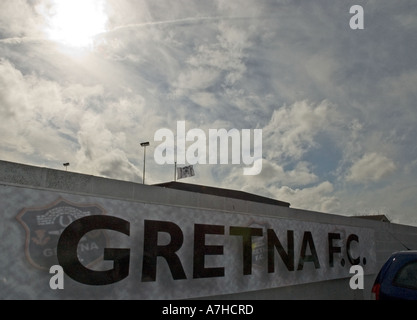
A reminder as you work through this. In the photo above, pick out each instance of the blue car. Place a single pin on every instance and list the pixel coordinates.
(397, 279)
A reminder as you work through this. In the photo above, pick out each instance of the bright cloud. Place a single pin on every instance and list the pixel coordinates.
(75, 22)
(371, 167)
(292, 129)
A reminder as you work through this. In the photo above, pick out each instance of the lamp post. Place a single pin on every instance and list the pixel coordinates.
(66, 165)
(144, 145)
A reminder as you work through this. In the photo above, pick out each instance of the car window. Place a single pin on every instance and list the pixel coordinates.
(407, 276)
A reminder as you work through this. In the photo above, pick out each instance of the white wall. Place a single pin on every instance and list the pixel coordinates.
(26, 189)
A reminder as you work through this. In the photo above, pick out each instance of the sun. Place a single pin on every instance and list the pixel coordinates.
(76, 22)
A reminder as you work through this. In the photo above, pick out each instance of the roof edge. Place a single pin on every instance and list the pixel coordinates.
(228, 193)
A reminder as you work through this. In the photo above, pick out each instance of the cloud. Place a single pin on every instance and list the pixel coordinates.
(11, 83)
(337, 107)
(64, 121)
(372, 167)
(316, 198)
(19, 19)
(197, 79)
(31, 107)
(213, 67)
(293, 128)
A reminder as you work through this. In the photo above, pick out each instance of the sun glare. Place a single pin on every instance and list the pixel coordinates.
(76, 22)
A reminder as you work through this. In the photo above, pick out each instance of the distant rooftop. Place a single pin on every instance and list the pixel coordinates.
(378, 217)
(235, 194)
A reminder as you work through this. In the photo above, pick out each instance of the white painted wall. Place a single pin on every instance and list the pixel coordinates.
(24, 188)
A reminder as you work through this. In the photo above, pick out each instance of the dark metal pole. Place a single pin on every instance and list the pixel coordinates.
(144, 163)
(144, 145)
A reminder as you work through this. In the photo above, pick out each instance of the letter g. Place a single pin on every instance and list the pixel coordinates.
(68, 244)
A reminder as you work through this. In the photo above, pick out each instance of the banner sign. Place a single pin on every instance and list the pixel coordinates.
(119, 249)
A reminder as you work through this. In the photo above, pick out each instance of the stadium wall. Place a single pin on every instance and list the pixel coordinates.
(172, 244)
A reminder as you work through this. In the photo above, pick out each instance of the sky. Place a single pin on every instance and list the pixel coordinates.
(86, 81)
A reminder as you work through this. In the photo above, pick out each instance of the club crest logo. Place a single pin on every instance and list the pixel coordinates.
(44, 226)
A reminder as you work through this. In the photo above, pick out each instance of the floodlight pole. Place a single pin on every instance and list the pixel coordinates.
(144, 145)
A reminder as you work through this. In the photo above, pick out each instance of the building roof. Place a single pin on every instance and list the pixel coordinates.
(235, 194)
(378, 217)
